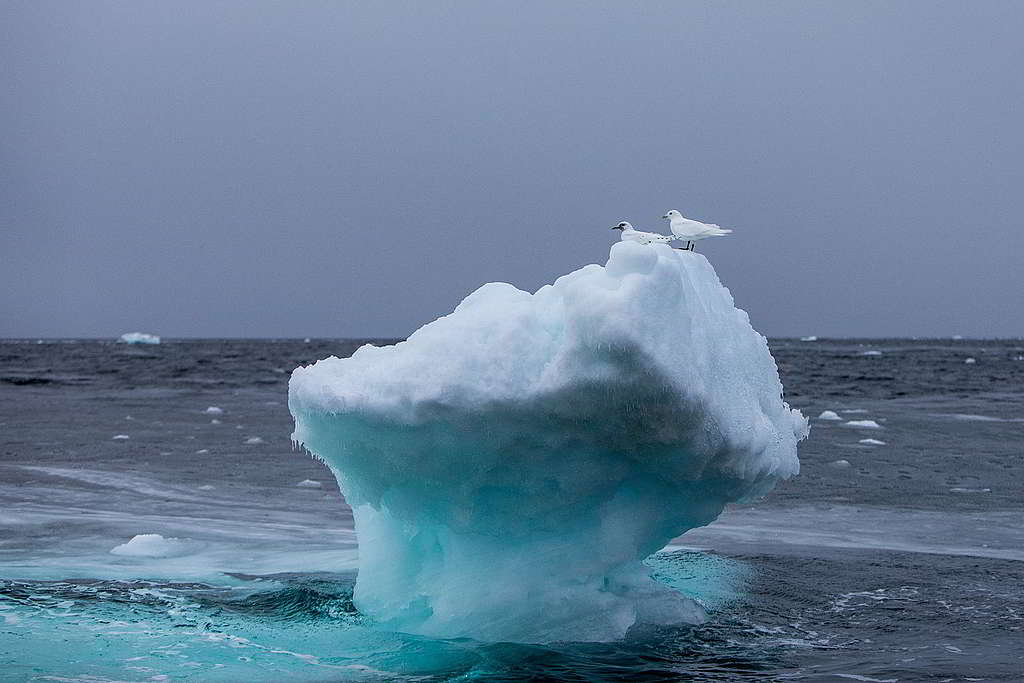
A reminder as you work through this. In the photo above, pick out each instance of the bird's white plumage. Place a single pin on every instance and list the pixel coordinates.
(690, 230)
(629, 234)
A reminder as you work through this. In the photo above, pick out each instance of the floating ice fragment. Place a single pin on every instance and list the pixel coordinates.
(872, 442)
(214, 410)
(841, 464)
(970, 361)
(207, 487)
(862, 424)
(120, 437)
(960, 489)
(253, 440)
(138, 338)
(829, 415)
(152, 545)
(203, 451)
(307, 340)
(809, 338)
(871, 353)
(309, 484)
(215, 421)
(511, 490)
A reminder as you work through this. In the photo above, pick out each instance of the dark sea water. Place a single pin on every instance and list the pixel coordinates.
(893, 561)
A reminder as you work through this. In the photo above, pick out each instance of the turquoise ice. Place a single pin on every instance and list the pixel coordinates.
(512, 464)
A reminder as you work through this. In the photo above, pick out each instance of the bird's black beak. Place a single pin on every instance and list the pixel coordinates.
(615, 227)
(665, 216)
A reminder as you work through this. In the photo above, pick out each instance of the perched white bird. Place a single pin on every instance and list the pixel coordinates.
(631, 235)
(689, 231)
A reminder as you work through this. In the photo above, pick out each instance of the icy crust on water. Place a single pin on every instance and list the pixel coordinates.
(511, 464)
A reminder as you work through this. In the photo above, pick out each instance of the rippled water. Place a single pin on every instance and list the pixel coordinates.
(895, 561)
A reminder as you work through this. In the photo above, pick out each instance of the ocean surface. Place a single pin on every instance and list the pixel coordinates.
(896, 555)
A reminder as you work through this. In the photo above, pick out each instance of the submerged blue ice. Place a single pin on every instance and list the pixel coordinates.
(511, 464)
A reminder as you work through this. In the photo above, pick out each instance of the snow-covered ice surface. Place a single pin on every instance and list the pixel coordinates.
(548, 443)
(152, 545)
(138, 338)
(873, 570)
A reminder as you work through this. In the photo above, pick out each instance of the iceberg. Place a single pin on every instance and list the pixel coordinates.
(138, 338)
(512, 464)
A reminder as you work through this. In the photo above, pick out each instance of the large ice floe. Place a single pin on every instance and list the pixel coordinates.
(511, 464)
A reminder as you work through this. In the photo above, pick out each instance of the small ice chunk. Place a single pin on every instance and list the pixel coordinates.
(203, 451)
(207, 487)
(871, 353)
(829, 415)
(307, 340)
(862, 424)
(152, 545)
(841, 464)
(215, 421)
(970, 361)
(871, 442)
(957, 337)
(309, 484)
(809, 338)
(120, 437)
(138, 338)
(854, 410)
(960, 489)
(214, 410)
(253, 440)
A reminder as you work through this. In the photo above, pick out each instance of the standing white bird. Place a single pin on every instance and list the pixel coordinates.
(631, 235)
(688, 230)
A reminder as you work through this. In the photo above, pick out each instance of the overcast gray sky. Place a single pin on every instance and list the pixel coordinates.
(356, 168)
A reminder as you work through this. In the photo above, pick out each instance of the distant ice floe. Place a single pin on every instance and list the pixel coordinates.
(138, 338)
(253, 440)
(203, 451)
(309, 484)
(851, 411)
(810, 338)
(970, 361)
(960, 489)
(215, 421)
(862, 424)
(153, 545)
(841, 464)
(213, 410)
(872, 442)
(829, 415)
(120, 437)
(871, 353)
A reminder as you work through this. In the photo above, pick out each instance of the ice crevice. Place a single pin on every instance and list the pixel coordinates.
(511, 464)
